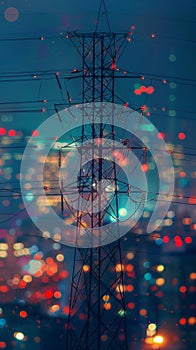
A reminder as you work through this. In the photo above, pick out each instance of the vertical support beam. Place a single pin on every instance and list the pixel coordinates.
(97, 315)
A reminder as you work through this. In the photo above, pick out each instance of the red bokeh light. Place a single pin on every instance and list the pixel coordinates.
(4, 289)
(137, 92)
(150, 90)
(35, 133)
(188, 240)
(66, 310)
(178, 241)
(166, 239)
(144, 168)
(182, 174)
(181, 136)
(178, 244)
(48, 294)
(131, 305)
(154, 288)
(182, 321)
(23, 314)
(2, 345)
(143, 108)
(121, 336)
(2, 131)
(192, 200)
(143, 88)
(183, 289)
(161, 135)
(113, 65)
(12, 132)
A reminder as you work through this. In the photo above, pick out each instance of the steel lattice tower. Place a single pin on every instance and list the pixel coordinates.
(97, 315)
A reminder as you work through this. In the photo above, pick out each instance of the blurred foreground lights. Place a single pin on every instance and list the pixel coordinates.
(54, 308)
(193, 275)
(122, 313)
(86, 268)
(158, 339)
(122, 212)
(19, 336)
(160, 281)
(3, 322)
(60, 257)
(160, 268)
(107, 306)
(119, 267)
(192, 321)
(152, 326)
(106, 298)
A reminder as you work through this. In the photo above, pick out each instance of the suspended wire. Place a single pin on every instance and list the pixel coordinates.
(161, 77)
(132, 146)
(57, 194)
(137, 107)
(72, 74)
(62, 36)
(135, 190)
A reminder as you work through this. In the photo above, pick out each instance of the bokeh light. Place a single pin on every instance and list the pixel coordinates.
(11, 14)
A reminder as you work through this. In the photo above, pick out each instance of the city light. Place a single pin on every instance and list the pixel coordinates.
(122, 212)
(144, 284)
(158, 339)
(19, 336)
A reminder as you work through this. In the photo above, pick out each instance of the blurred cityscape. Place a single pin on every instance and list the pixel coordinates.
(41, 74)
(159, 273)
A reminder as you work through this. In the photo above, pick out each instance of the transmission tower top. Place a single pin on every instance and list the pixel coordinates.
(102, 12)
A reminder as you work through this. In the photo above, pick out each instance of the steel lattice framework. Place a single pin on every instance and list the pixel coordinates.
(97, 310)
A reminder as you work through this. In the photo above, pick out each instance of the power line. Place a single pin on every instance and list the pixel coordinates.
(63, 35)
(143, 75)
(48, 101)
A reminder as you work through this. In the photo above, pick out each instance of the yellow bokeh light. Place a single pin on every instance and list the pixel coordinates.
(3, 246)
(160, 281)
(57, 237)
(120, 288)
(160, 268)
(106, 298)
(46, 234)
(149, 340)
(193, 275)
(3, 254)
(192, 320)
(86, 268)
(18, 246)
(19, 335)
(150, 333)
(27, 278)
(54, 308)
(60, 257)
(158, 339)
(119, 267)
(152, 326)
(130, 256)
(187, 221)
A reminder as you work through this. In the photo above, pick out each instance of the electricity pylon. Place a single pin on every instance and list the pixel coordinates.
(97, 308)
